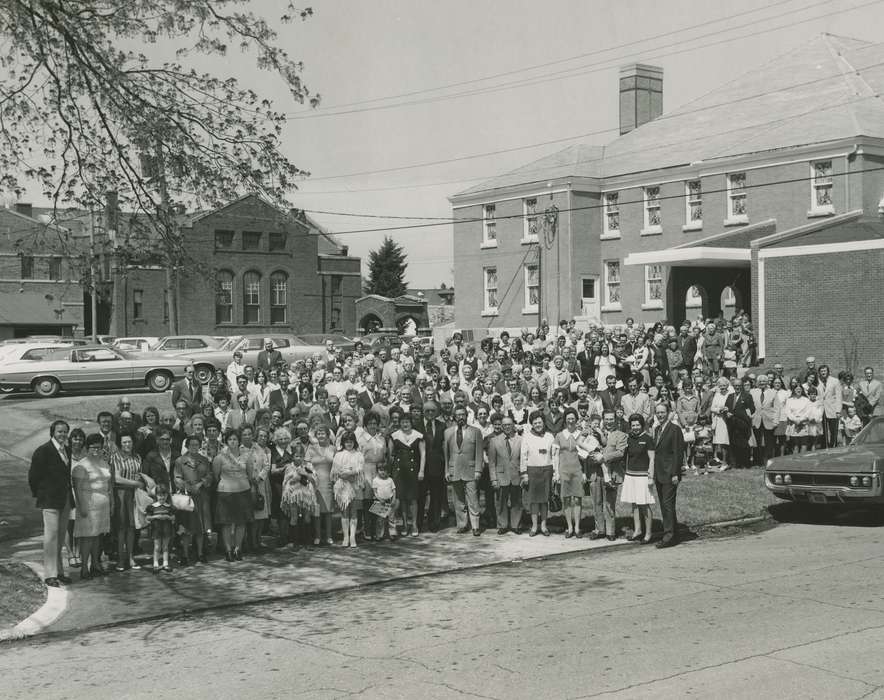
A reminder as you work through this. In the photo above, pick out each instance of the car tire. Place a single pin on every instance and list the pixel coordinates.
(46, 387)
(158, 382)
(203, 373)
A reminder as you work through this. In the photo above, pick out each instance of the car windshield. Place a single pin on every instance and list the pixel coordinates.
(872, 434)
(231, 342)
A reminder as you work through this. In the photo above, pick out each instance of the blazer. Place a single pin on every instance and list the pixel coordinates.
(739, 425)
(462, 463)
(269, 360)
(831, 397)
(611, 401)
(50, 478)
(366, 401)
(155, 468)
(767, 409)
(434, 463)
(181, 390)
(640, 403)
(668, 453)
(503, 466)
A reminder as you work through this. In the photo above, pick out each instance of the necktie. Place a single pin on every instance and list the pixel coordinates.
(509, 449)
(657, 433)
(430, 431)
(459, 437)
(61, 453)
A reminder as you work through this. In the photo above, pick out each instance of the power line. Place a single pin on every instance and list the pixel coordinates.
(596, 67)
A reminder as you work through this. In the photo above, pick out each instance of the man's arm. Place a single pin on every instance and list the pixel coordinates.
(480, 449)
(36, 471)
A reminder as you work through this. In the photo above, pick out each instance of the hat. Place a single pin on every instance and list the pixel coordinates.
(811, 359)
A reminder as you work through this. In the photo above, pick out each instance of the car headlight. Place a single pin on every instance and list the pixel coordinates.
(778, 479)
(854, 481)
(787, 479)
(867, 481)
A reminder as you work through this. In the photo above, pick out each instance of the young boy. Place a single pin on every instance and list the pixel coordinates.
(384, 506)
(851, 424)
(702, 449)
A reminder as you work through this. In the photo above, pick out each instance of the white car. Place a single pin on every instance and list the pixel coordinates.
(22, 352)
(135, 344)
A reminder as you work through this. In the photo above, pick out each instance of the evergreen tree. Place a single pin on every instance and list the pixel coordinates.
(386, 270)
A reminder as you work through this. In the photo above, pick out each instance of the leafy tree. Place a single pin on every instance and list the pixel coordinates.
(386, 270)
(84, 112)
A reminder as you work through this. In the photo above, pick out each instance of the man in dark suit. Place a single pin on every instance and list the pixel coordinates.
(739, 408)
(586, 360)
(668, 460)
(463, 467)
(433, 484)
(369, 397)
(50, 480)
(504, 452)
(611, 395)
(269, 358)
(189, 390)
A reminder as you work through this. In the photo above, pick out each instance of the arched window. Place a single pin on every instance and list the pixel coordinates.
(251, 297)
(279, 291)
(224, 297)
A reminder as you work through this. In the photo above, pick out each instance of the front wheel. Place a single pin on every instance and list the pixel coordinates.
(159, 382)
(203, 373)
(46, 387)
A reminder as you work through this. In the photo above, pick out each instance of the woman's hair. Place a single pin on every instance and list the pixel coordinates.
(570, 412)
(93, 439)
(371, 416)
(78, 432)
(150, 410)
(231, 432)
(637, 418)
(349, 436)
(192, 438)
(535, 415)
(281, 434)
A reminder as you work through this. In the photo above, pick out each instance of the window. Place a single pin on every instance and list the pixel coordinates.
(276, 241)
(224, 297)
(693, 191)
(337, 283)
(612, 285)
(532, 221)
(172, 344)
(736, 198)
(612, 215)
(55, 268)
(588, 288)
(194, 344)
(223, 239)
(490, 287)
(532, 290)
(251, 294)
(251, 240)
(653, 286)
(27, 267)
(98, 355)
(489, 226)
(653, 221)
(279, 286)
(137, 304)
(821, 188)
(336, 319)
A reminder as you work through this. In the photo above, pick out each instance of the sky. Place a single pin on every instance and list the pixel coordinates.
(359, 53)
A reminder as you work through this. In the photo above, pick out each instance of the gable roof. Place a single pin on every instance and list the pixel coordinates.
(825, 90)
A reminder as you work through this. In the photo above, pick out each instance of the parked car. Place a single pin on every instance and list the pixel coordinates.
(851, 475)
(341, 341)
(375, 341)
(291, 347)
(30, 352)
(91, 367)
(135, 344)
(184, 343)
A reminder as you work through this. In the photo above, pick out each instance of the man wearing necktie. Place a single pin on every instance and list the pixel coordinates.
(49, 477)
(504, 451)
(668, 460)
(764, 419)
(463, 451)
(189, 390)
(433, 484)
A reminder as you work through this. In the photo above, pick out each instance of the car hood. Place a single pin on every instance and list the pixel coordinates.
(856, 458)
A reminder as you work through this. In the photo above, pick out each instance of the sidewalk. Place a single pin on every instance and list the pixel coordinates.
(133, 595)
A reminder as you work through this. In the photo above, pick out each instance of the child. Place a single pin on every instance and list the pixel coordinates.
(730, 360)
(814, 419)
(298, 498)
(384, 506)
(161, 517)
(851, 424)
(702, 449)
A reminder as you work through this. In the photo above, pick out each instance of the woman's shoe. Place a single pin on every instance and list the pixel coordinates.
(646, 540)
(237, 554)
(228, 555)
(156, 569)
(85, 575)
(315, 541)
(545, 532)
(532, 533)
(578, 535)
(118, 567)
(636, 536)
(569, 535)
(329, 541)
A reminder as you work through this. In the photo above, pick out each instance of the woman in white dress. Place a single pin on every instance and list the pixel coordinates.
(373, 446)
(605, 364)
(796, 412)
(720, 436)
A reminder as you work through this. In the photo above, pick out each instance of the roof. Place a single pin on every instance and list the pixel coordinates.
(825, 90)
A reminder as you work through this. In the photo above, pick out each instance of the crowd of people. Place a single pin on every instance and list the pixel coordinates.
(397, 440)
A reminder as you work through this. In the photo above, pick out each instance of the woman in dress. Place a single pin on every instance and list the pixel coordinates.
(373, 446)
(150, 423)
(639, 479)
(299, 495)
(568, 473)
(320, 455)
(780, 404)
(234, 507)
(814, 419)
(261, 394)
(193, 475)
(126, 478)
(536, 466)
(717, 409)
(349, 482)
(280, 459)
(305, 402)
(535, 401)
(91, 482)
(258, 458)
(407, 455)
(519, 413)
(796, 412)
(604, 361)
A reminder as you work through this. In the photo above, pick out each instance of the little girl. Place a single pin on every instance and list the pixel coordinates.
(701, 454)
(384, 506)
(298, 498)
(161, 516)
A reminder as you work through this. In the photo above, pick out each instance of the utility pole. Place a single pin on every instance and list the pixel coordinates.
(110, 226)
(167, 223)
(93, 276)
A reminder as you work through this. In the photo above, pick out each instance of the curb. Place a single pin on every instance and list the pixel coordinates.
(54, 607)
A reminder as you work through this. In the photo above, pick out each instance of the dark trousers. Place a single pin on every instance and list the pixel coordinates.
(740, 455)
(434, 487)
(666, 492)
(489, 513)
(765, 444)
(830, 432)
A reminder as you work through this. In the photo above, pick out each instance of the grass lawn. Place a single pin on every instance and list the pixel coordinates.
(21, 593)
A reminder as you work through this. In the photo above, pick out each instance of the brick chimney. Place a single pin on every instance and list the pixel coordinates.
(25, 209)
(641, 95)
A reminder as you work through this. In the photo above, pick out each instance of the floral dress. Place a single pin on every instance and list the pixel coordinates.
(347, 474)
(374, 452)
(321, 460)
(298, 491)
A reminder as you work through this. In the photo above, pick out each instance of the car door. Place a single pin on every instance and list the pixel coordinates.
(99, 368)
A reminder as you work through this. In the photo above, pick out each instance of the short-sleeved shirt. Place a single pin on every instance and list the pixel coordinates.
(638, 459)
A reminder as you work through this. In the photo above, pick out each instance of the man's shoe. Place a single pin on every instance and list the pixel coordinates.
(595, 535)
(65, 579)
(518, 531)
(612, 538)
(54, 582)
(476, 532)
(502, 531)
(663, 544)
(463, 530)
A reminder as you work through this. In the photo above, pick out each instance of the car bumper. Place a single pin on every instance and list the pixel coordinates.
(823, 495)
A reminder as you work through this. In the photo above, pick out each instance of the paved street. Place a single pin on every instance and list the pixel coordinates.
(794, 611)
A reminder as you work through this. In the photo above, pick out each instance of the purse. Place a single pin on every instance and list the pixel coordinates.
(555, 500)
(259, 501)
(182, 501)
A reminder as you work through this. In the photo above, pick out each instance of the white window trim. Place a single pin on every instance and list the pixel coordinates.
(617, 306)
(649, 229)
(526, 307)
(827, 209)
(527, 237)
(486, 310)
(688, 224)
(609, 234)
(649, 303)
(735, 219)
(488, 242)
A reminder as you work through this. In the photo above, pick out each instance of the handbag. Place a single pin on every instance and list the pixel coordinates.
(555, 500)
(259, 501)
(182, 501)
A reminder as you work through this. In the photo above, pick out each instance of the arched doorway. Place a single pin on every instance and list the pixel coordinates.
(407, 325)
(370, 324)
(696, 302)
(731, 300)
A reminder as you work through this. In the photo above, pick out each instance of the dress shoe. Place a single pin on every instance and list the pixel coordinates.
(237, 554)
(663, 544)
(65, 579)
(612, 538)
(518, 531)
(462, 530)
(476, 532)
(532, 533)
(54, 582)
(545, 533)
(595, 536)
(502, 531)
(578, 535)
(203, 559)
(569, 535)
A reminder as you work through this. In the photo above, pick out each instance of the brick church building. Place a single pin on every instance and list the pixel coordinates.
(766, 193)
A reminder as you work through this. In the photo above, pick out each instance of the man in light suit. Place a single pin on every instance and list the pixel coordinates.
(50, 480)
(668, 459)
(463, 467)
(832, 399)
(636, 401)
(872, 389)
(433, 484)
(764, 419)
(503, 467)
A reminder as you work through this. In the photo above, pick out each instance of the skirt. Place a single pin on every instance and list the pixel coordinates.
(637, 490)
(539, 479)
(199, 520)
(161, 529)
(369, 472)
(572, 484)
(235, 508)
(347, 494)
(324, 493)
